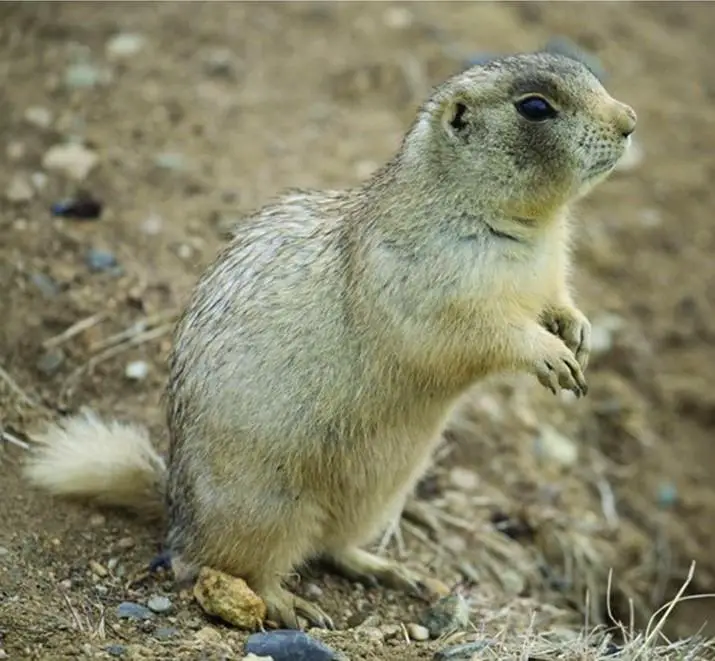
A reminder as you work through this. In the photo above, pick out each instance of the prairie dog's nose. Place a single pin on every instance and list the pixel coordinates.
(625, 119)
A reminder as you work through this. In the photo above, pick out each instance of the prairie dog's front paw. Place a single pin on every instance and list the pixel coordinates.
(572, 326)
(556, 367)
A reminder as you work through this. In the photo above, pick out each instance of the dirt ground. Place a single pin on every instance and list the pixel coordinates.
(224, 105)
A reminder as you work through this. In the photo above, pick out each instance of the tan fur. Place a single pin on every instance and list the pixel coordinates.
(321, 354)
(111, 463)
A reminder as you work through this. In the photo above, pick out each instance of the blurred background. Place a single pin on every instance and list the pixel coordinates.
(135, 134)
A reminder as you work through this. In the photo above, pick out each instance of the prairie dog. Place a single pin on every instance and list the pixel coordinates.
(321, 354)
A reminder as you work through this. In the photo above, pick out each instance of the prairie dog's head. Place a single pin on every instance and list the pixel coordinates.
(524, 134)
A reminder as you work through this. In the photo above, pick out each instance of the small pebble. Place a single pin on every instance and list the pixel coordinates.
(667, 495)
(115, 650)
(184, 251)
(19, 190)
(463, 478)
(84, 75)
(126, 543)
(288, 645)
(83, 207)
(72, 160)
(219, 63)
(128, 610)
(152, 224)
(170, 161)
(98, 569)
(4, 550)
(112, 563)
(164, 633)
(159, 604)
(39, 180)
(552, 445)
(208, 635)
(124, 45)
(47, 286)
(137, 370)
(38, 116)
(417, 632)
(448, 615)
(100, 260)
(51, 361)
(97, 520)
(229, 598)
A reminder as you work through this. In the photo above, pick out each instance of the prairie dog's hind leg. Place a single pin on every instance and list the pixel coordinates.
(369, 569)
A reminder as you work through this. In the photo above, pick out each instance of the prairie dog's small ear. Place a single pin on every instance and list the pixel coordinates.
(455, 115)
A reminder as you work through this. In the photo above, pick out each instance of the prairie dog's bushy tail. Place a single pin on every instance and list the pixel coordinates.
(107, 462)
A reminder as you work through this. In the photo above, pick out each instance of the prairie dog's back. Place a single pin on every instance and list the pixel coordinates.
(268, 308)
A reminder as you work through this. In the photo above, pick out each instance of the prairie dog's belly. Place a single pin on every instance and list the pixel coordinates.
(376, 477)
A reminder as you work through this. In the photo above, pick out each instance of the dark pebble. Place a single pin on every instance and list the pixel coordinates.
(288, 645)
(100, 260)
(128, 610)
(81, 208)
(115, 650)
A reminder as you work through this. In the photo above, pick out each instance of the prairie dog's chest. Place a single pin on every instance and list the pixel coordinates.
(512, 275)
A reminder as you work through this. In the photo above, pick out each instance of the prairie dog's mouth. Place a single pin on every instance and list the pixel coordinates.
(604, 165)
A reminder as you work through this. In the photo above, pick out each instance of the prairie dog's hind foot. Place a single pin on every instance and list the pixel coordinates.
(283, 607)
(371, 570)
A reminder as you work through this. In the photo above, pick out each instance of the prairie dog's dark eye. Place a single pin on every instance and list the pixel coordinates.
(535, 109)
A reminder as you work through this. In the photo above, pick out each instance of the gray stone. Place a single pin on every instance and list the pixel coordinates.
(128, 610)
(100, 260)
(289, 645)
(47, 286)
(72, 160)
(51, 361)
(137, 370)
(159, 604)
